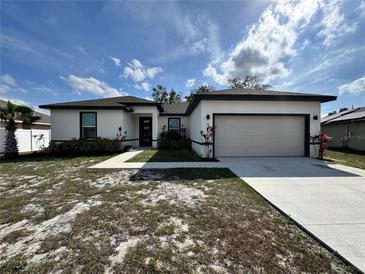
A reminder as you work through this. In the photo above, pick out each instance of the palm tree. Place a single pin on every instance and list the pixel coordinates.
(9, 115)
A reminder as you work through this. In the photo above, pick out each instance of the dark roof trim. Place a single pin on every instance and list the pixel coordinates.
(173, 114)
(232, 97)
(124, 106)
(158, 105)
(84, 107)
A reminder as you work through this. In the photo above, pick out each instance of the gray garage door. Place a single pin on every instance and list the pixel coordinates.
(238, 136)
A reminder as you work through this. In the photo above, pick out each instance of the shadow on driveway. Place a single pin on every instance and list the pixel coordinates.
(282, 167)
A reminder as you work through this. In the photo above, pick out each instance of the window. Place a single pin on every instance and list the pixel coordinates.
(88, 125)
(174, 124)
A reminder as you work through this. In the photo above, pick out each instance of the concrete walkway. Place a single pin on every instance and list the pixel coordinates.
(326, 200)
(120, 162)
(117, 160)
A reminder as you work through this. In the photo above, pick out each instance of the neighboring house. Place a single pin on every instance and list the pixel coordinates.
(246, 122)
(33, 139)
(43, 123)
(347, 129)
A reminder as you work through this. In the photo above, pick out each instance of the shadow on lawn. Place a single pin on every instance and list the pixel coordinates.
(178, 174)
(38, 157)
(179, 155)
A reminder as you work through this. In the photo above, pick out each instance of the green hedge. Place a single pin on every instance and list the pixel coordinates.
(172, 140)
(84, 147)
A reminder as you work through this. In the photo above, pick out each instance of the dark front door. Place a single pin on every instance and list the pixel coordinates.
(145, 131)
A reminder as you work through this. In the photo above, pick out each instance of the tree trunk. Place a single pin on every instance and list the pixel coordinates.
(11, 146)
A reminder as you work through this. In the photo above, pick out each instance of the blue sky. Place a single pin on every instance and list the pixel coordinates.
(63, 51)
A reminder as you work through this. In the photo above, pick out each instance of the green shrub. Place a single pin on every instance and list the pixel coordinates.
(84, 147)
(172, 140)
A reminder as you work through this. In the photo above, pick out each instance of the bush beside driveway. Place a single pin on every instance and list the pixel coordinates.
(57, 215)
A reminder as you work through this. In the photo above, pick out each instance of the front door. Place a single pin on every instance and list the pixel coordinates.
(145, 131)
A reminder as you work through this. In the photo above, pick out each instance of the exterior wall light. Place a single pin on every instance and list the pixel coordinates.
(208, 116)
(315, 117)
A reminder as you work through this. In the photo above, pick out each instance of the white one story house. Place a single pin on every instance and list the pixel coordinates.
(246, 122)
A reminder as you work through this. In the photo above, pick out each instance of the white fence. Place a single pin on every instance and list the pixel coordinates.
(28, 139)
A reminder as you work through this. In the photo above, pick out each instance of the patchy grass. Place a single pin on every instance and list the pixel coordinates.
(158, 155)
(57, 215)
(347, 157)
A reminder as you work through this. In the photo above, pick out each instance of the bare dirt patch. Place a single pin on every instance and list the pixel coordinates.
(156, 221)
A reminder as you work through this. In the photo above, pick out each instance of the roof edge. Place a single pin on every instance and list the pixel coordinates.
(230, 97)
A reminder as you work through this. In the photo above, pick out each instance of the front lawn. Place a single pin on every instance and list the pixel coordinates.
(346, 157)
(160, 155)
(58, 216)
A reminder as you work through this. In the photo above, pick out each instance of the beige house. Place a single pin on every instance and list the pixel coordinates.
(246, 122)
(347, 129)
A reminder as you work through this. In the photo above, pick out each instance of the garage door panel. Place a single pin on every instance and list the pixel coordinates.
(259, 136)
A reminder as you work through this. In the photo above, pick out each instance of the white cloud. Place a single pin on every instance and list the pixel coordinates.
(362, 6)
(91, 85)
(190, 83)
(144, 85)
(16, 101)
(7, 83)
(354, 88)
(82, 50)
(199, 32)
(138, 72)
(8, 80)
(322, 68)
(116, 61)
(333, 23)
(271, 42)
(45, 89)
(4, 88)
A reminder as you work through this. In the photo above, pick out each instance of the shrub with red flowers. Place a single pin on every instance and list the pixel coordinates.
(207, 139)
(321, 140)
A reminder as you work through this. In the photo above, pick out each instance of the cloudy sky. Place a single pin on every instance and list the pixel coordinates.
(62, 51)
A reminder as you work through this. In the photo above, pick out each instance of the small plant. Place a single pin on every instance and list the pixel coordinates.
(207, 139)
(14, 265)
(121, 135)
(40, 141)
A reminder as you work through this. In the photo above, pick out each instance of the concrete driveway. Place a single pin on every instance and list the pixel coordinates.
(327, 200)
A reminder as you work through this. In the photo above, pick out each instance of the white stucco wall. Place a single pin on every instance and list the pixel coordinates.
(66, 123)
(195, 120)
(163, 121)
(283, 107)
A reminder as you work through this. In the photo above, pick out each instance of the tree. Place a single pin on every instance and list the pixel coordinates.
(9, 115)
(343, 109)
(340, 110)
(201, 89)
(173, 97)
(250, 82)
(160, 94)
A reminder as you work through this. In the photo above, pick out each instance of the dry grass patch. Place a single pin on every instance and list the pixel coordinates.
(72, 219)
